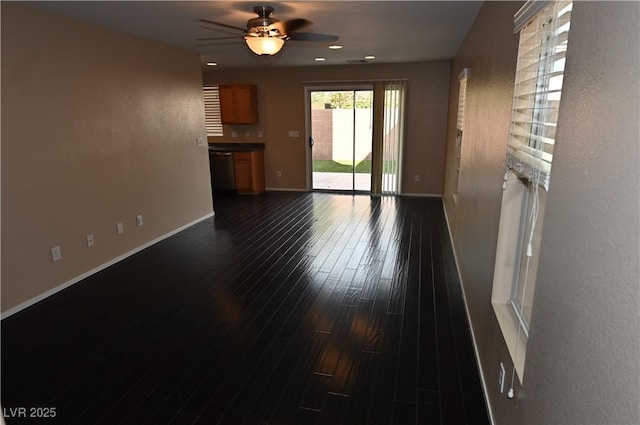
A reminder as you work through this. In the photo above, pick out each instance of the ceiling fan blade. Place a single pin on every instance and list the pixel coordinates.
(311, 36)
(222, 25)
(218, 38)
(287, 27)
(216, 44)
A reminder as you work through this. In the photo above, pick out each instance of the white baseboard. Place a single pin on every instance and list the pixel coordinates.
(413, 195)
(285, 189)
(421, 195)
(473, 335)
(101, 267)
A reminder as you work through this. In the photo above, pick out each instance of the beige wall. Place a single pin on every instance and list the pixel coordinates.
(582, 356)
(281, 99)
(97, 127)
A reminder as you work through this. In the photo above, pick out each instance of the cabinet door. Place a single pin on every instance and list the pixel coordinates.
(249, 171)
(238, 104)
(246, 104)
(227, 104)
(243, 171)
(257, 171)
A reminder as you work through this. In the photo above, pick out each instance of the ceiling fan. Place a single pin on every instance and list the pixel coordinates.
(266, 35)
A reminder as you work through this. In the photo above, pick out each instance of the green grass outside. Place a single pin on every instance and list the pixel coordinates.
(329, 166)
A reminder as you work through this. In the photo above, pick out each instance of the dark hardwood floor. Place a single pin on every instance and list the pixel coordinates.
(285, 308)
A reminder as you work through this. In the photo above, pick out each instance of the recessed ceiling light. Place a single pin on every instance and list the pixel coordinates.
(212, 64)
(335, 47)
(370, 57)
(320, 59)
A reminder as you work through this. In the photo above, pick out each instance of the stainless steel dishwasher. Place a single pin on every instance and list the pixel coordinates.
(222, 172)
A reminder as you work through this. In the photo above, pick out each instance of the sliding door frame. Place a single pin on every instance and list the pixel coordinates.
(346, 86)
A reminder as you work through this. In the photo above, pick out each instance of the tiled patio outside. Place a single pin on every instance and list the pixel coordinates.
(344, 181)
(341, 181)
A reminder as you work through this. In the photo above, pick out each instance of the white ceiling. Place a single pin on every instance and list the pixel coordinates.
(393, 31)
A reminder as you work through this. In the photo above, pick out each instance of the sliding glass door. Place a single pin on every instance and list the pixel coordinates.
(355, 137)
(341, 139)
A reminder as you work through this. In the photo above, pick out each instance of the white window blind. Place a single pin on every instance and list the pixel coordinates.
(392, 139)
(539, 75)
(462, 98)
(212, 111)
(462, 95)
(527, 12)
(542, 50)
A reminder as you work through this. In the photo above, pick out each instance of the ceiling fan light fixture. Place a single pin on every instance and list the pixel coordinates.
(261, 45)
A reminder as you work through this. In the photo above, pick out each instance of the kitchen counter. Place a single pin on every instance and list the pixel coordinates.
(236, 147)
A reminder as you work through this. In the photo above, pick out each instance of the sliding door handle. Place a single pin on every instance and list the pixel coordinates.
(311, 142)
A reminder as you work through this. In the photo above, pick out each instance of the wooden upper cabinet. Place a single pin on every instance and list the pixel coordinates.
(238, 104)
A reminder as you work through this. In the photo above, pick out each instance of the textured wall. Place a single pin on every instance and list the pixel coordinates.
(490, 52)
(585, 337)
(97, 127)
(281, 99)
(582, 357)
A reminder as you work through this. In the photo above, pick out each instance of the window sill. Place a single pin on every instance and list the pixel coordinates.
(516, 341)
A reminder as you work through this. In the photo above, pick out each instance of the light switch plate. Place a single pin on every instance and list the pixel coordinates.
(56, 253)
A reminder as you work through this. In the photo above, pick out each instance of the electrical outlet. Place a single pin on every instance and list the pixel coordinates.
(56, 254)
(234, 134)
(120, 228)
(260, 133)
(279, 173)
(139, 221)
(200, 142)
(417, 177)
(501, 378)
(89, 240)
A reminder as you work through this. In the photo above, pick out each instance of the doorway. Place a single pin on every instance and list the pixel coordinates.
(355, 137)
(341, 139)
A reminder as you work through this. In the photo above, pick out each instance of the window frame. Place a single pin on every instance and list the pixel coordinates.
(527, 178)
